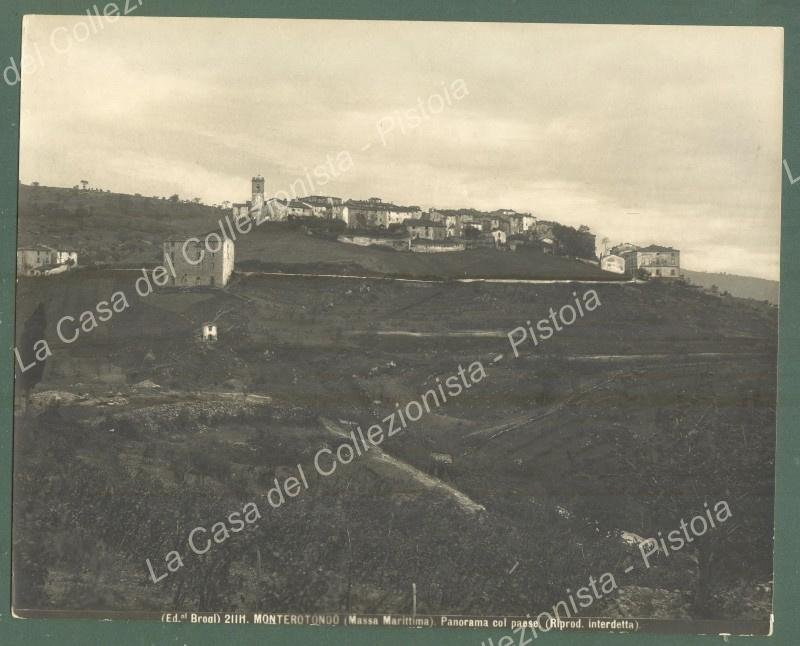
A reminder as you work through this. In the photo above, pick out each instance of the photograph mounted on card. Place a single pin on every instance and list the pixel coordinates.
(374, 323)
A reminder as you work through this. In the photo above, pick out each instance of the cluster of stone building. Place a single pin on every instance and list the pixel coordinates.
(374, 221)
(208, 260)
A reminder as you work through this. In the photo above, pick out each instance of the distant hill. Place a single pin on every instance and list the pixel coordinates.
(759, 289)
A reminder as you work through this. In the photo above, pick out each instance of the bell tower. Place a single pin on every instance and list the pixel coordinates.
(258, 192)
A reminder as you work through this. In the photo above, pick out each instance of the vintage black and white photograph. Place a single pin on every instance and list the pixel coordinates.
(386, 323)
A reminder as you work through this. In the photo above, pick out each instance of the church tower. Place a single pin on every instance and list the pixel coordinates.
(258, 192)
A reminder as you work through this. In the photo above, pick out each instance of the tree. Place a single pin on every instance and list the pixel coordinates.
(32, 332)
(575, 242)
(174, 197)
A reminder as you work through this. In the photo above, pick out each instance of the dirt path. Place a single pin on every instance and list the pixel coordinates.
(510, 281)
(496, 431)
(387, 463)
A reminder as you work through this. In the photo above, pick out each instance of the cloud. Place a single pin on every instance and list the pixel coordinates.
(645, 133)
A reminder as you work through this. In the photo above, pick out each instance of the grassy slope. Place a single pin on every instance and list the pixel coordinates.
(277, 246)
(654, 317)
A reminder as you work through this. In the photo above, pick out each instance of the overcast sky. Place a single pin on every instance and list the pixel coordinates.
(668, 135)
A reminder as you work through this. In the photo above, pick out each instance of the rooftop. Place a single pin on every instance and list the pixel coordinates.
(318, 200)
(36, 247)
(415, 222)
(379, 206)
(197, 236)
(655, 247)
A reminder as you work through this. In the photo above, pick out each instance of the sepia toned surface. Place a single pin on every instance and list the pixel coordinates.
(587, 402)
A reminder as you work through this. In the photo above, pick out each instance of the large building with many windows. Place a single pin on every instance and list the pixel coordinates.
(375, 213)
(655, 260)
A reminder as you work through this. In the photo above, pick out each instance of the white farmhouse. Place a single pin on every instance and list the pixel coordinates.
(612, 263)
(41, 260)
(209, 332)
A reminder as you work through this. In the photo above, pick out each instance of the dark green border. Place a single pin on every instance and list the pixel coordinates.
(784, 13)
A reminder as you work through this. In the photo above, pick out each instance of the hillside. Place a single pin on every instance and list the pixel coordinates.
(759, 289)
(283, 247)
(555, 444)
(113, 228)
(569, 425)
(106, 227)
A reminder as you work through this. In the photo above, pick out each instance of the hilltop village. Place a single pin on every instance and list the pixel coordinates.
(372, 223)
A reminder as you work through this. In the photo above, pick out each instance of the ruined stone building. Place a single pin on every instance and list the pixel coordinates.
(195, 261)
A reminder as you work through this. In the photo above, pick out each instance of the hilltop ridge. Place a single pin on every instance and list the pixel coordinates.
(759, 289)
(116, 228)
(105, 226)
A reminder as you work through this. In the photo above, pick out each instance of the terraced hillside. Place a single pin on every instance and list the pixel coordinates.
(564, 446)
